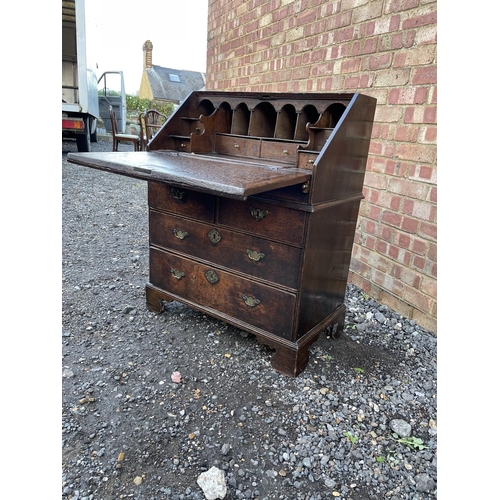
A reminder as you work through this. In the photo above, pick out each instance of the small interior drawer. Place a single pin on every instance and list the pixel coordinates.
(279, 150)
(306, 159)
(180, 143)
(237, 145)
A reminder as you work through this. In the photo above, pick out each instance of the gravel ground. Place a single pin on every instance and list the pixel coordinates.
(359, 423)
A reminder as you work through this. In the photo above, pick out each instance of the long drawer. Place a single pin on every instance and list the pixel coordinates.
(257, 257)
(257, 304)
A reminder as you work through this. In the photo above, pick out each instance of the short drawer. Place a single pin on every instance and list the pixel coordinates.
(236, 145)
(277, 150)
(181, 201)
(257, 257)
(181, 143)
(264, 219)
(254, 303)
(306, 159)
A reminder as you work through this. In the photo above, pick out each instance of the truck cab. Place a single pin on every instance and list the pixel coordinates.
(81, 104)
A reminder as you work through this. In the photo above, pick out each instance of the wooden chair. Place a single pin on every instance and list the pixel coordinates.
(117, 138)
(150, 122)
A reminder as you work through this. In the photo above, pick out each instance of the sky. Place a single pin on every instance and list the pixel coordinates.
(177, 29)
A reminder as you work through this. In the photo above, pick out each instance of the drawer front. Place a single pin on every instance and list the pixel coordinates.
(251, 255)
(182, 144)
(276, 150)
(264, 219)
(240, 146)
(181, 201)
(306, 160)
(254, 303)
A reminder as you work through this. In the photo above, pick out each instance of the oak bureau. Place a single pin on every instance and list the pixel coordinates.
(253, 202)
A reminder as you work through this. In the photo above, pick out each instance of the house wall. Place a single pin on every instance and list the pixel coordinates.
(145, 91)
(382, 48)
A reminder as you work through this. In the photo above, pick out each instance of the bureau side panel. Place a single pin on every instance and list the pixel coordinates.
(330, 237)
(341, 165)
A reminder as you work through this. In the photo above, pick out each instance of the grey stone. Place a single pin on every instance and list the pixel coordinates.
(400, 427)
(424, 483)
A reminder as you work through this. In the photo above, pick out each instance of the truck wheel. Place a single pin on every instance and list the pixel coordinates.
(93, 135)
(83, 140)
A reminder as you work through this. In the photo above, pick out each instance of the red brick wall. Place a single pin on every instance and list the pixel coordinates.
(382, 48)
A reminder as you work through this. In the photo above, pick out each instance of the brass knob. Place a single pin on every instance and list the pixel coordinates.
(285, 151)
(236, 146)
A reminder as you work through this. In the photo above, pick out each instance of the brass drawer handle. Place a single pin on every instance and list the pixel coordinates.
(236, 146)
(180, 235)
(254, 255)
(177, 194)
(211, 276)
(250, 301)
(285, 151)
(177, 274)
(310, 161)
(258, 214)
(183, 145)
(214, 236)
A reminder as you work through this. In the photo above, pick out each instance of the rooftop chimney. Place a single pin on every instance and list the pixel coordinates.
(147, 50)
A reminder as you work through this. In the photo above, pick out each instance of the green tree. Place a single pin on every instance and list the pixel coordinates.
(136, 106)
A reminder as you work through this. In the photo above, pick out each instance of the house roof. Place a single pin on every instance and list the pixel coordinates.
(173, 84)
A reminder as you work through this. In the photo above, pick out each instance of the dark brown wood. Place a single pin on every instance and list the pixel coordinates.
(200, 206)
(250, 301)
(253, 206)
(209, 174)
(267, 260)
(271, 221)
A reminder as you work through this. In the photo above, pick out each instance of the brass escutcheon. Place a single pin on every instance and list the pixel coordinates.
(180, 235)
(214, 236)
(254, 255)
(177, 274)
(258, 214)
(250, 301)
(211, 276)
(177, 194)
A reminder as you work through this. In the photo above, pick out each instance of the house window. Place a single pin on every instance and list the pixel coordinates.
(174, 78)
